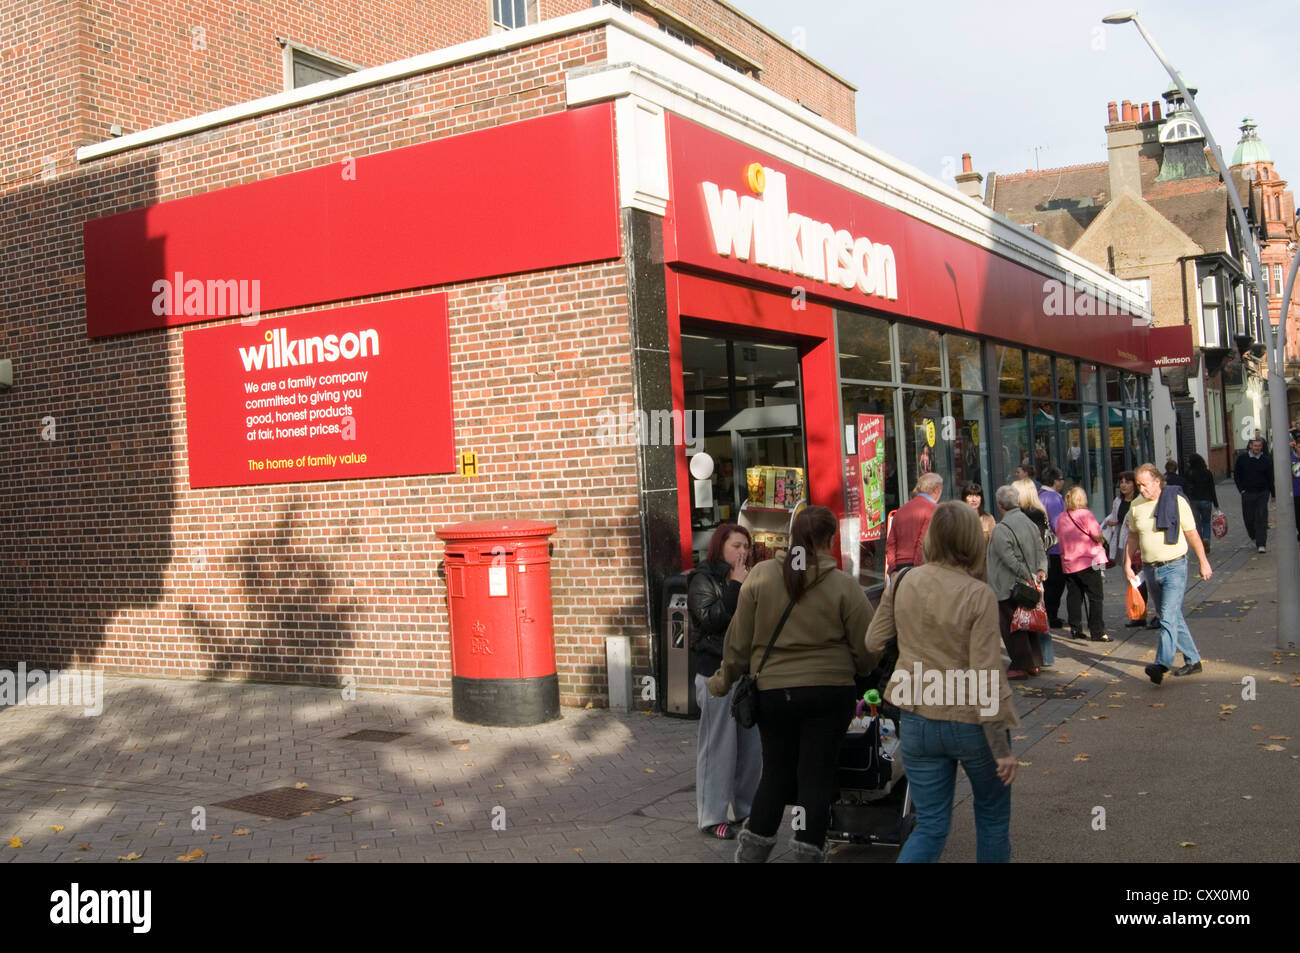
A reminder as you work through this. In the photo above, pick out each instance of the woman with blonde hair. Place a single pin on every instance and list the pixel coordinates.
(956, 633)
(1082, 556)
(1031, 504)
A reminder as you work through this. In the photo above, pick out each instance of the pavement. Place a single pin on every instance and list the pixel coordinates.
(1202, 768)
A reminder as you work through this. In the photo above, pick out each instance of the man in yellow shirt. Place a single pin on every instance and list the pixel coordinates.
(1161, 527)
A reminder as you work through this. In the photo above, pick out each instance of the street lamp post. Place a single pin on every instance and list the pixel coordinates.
(1287, 555)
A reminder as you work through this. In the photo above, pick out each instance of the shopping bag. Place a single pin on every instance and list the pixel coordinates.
(1134, 603)
(1219, 523)
(1030, 620)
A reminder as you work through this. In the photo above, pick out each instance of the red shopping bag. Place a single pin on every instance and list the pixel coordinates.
(1219, 523)
(1030, 620)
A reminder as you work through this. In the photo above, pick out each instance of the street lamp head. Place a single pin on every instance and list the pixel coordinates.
(1120, 16)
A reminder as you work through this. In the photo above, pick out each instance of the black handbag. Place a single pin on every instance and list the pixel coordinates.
(744, 700)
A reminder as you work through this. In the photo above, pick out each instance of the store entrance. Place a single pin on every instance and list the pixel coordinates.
(749, 395)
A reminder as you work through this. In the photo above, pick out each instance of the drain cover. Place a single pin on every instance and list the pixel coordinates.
(374, 734)
(285, 802)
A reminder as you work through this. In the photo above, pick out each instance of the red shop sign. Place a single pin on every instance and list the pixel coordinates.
(355, 392)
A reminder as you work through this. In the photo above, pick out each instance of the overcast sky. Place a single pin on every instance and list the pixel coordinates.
(937, 78)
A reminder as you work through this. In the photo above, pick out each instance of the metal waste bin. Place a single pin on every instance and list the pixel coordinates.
(677, 663)
(502, 642)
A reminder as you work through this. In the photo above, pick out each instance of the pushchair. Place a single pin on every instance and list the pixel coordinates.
(872, 804)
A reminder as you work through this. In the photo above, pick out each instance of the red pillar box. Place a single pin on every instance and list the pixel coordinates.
(502, 643)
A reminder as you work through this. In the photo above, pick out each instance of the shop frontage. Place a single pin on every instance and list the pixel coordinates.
(322, 348)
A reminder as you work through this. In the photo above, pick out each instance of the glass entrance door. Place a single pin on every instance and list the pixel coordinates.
(749, 394)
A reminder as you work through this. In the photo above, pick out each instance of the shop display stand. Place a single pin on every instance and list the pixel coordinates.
(768, 520)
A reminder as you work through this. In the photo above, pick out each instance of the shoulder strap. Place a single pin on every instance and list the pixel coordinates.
(771, 642)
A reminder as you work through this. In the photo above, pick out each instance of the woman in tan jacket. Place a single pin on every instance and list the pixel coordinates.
(949, 683)
(805, 688)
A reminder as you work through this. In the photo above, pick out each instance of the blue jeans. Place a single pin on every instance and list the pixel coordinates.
(1174, 634)
(931, 750)
(1202, 510)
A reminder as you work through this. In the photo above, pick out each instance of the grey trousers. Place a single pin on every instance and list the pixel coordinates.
(728, 763)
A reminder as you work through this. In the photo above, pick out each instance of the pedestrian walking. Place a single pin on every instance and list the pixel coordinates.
(1254, 478)
(1198, 484)
(1016, 554)
(1115, 528)
(1161, 527)
(954, 636)
(1171, 476)
(907, 528)
(814, 617)
(1082, 559)
(728, 757)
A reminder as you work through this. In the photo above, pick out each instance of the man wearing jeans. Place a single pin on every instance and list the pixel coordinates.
(1254, 477)
(1161, 527)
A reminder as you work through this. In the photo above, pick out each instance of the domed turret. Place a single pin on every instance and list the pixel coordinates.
(1251, 148)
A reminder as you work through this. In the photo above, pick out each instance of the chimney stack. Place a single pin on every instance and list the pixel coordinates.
(968, 180)
(1124, 140)
(1112, 112)
(1155, 110)
(1146, 112)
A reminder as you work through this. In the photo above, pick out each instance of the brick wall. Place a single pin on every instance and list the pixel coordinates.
(108, 558)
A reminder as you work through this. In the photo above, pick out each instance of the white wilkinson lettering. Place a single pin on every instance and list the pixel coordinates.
(745, 226)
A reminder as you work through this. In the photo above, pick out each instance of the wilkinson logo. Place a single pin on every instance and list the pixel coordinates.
(787, 241)
(279, 351)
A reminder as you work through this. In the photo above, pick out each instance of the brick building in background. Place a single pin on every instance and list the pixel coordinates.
(502, 245)
(1157, 213)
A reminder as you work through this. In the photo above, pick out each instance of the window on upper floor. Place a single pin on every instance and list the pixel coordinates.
(304, 66)
(621, 4)
(1276, 290)
(513, 14)
(1211, 330)
(1180, 129)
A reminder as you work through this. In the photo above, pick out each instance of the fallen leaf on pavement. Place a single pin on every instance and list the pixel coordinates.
(1277, 678)
(1157, 705)
(1186, 843)
(1256, 727)
(58, 827)
(590, 705)
(1064, 740)
(1024, 764)
(462, 748)
(1274, 748)
(578, 850)
(216, 837)
(243, 831)
(300, 785)
(83, 847)
(1248, 797)
(194, 854)
(1118, 694)
(1080, 757)
(1270, 738)
(1114, 706)
(349, 812)
(15, 842)
(1019, 737)
(131, 856)
(1227, 708)
(649, 770)
(1143, 793)
(316, 857)
(437, 804)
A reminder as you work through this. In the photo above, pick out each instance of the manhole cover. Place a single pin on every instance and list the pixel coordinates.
(1224, 608)
(374, 734)
(285, 802)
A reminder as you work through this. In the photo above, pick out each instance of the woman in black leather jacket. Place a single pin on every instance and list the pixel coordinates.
(728, 762)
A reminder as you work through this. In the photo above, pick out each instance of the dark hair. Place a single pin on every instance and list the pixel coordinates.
(1196, 462)
(1050, 476)
(1171, 466)
(719, 541)
(813, 529)
(973, 489)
